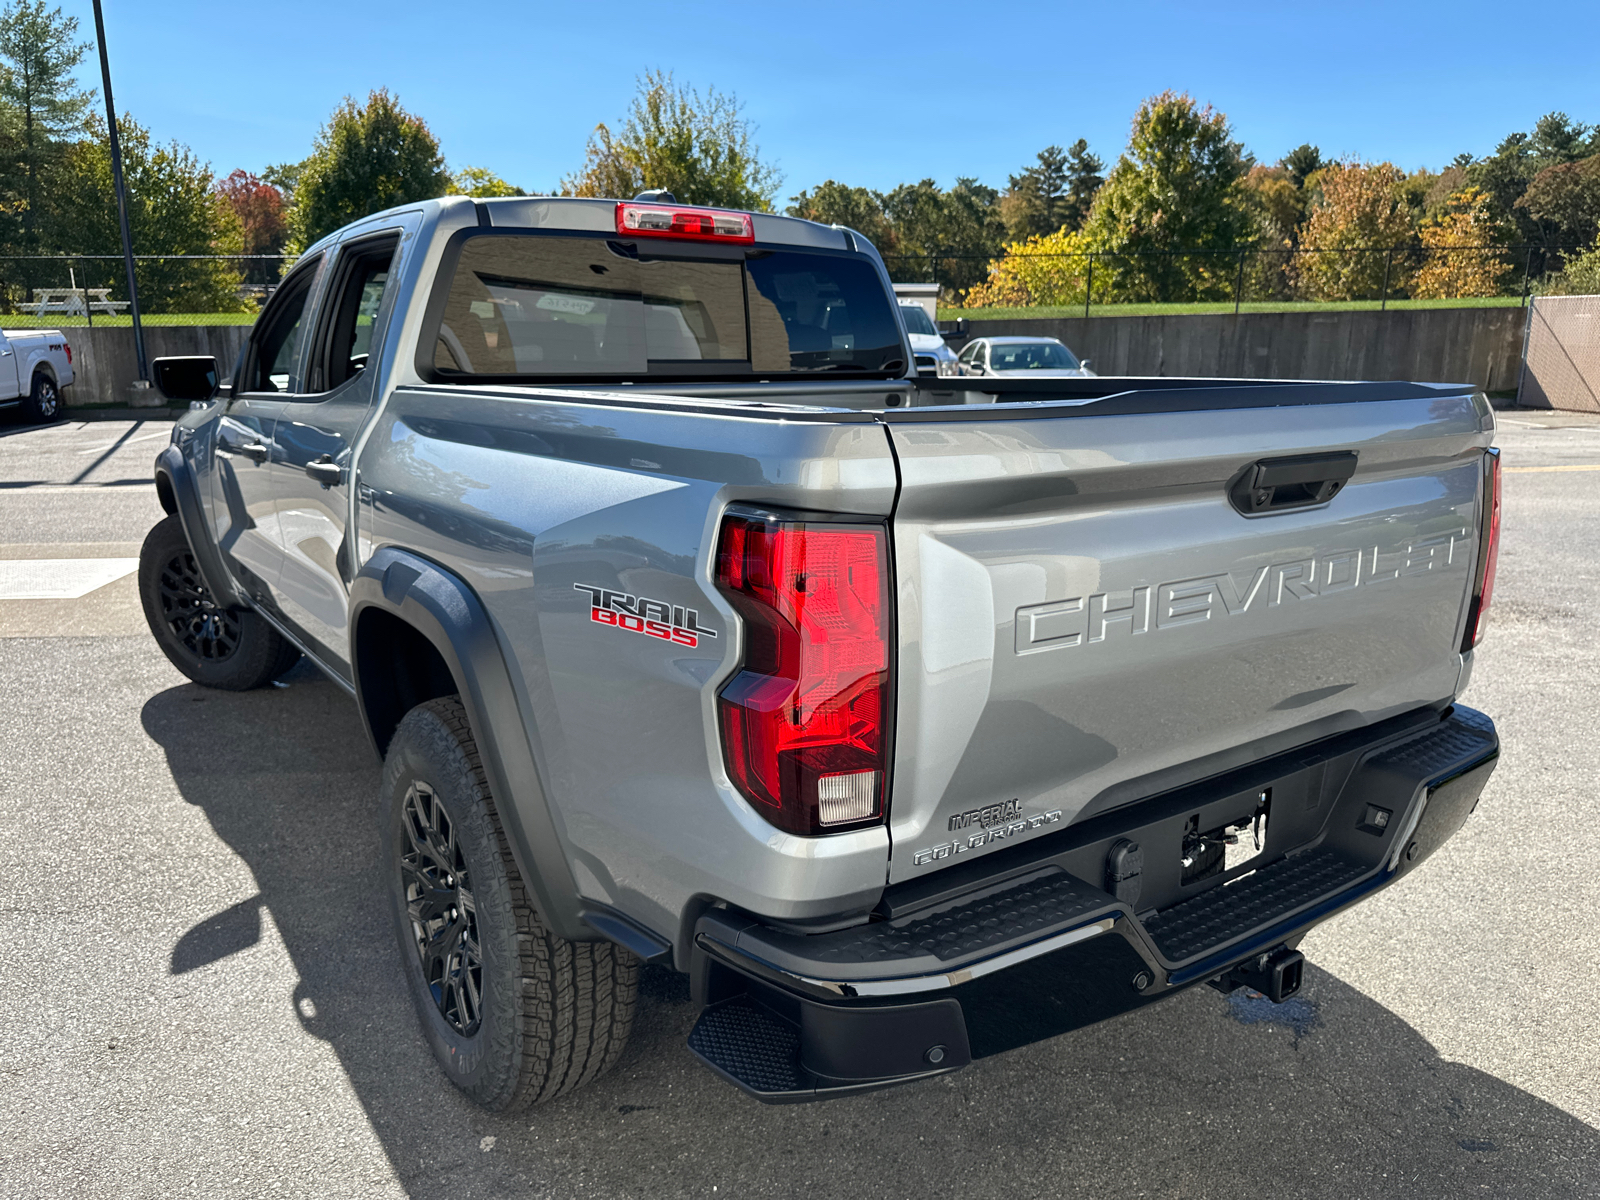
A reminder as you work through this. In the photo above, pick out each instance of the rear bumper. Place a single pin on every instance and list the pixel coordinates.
(1036, 946)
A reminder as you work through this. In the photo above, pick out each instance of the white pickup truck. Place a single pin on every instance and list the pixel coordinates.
(35, 364)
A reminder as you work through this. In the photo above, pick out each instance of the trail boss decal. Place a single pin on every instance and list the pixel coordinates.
(640, 614)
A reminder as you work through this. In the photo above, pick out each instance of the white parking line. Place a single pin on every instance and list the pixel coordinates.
(149, 437)
(60, 578)
(74, 489)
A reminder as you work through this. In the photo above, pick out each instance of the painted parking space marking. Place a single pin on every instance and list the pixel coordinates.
(1537, 470)
(60, 578)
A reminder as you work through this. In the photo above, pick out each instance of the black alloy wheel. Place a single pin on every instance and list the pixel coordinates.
(443, 912)
(234, 649)
(208, 632)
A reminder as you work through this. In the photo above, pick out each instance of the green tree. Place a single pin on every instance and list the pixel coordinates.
(481, 183)
(1177, 187)
(174, 209)
(1084, 180)
(1564, 200)
(1582, 274)
(40, 51)
(857, 208)
(947, 237)
(700, 147)
(1035, 200)
(1506, 174)
(1301, 163)
(367, 158)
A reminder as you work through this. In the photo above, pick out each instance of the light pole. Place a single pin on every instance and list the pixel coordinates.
(122, 195)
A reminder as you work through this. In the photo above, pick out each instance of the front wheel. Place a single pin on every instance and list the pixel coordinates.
(44, 399)
(218, 647)
(513, 1013)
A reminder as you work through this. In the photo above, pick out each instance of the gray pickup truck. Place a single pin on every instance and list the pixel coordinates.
(914, 724)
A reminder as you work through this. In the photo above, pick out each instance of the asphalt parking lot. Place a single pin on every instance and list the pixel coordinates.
(203, 995)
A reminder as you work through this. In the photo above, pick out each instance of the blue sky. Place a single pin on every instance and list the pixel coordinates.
(869, 93)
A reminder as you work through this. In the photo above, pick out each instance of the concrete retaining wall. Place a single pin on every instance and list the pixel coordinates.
(105, 365)
(1482, 346)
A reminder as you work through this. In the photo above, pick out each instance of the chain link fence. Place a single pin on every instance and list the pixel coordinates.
(1239, 279)
(1561, 358)
(72, 291)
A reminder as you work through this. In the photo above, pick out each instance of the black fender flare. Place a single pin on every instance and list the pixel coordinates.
(175, 482)
(441, 607)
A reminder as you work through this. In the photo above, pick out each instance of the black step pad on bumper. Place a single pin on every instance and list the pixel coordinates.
(1225, 914)
(934, 941)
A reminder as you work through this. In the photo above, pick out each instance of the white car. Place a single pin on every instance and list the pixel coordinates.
(35, 364)
(1026, 357)
(933, 356)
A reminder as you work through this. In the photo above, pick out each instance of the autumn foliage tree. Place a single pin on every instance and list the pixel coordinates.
(263, 217)
(1048, 269)
(1461, 250)
(1356, 218)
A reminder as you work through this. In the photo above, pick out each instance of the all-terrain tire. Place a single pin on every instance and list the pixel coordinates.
(514, 1013)
(233, 650)
(43, 402)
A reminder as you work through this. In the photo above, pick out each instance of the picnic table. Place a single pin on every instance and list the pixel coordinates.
(76, 301)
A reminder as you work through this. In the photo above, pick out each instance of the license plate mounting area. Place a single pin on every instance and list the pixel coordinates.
(1223, 849)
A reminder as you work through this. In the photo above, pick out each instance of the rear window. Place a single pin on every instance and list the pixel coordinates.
(917, 320)
(1031, 356)
(542, 305)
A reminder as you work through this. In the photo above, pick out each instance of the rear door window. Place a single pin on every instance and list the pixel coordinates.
(542, 306)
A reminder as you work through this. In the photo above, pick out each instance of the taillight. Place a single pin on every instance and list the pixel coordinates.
(1488, 551)
(805, 721)
(67, 346)
(676, 221)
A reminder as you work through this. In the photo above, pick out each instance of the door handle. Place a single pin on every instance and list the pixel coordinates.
(256, 451)
(5, 353)
(1278, 484)
(325, 471)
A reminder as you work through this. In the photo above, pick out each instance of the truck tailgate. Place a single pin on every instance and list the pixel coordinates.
(1085, 617)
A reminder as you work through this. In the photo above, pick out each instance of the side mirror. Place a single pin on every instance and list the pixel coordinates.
(1083, 364)
(186, 379)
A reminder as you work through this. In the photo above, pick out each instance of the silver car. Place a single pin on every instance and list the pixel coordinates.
(1029, 357)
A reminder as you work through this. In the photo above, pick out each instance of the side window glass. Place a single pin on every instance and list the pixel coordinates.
(277, 337)
(352, 314)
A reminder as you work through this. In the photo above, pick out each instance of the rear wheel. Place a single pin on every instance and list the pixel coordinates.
(231, 649)
(44, 399)
(513, 1013)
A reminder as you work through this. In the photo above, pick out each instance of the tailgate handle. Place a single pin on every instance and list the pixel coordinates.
(1280, 484)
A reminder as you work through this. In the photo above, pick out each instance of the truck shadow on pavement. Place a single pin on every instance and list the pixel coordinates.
(1198, 1097)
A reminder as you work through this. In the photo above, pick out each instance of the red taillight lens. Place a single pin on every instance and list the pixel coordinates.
(1488, 551)
(67, 346)
(675, 221)
(804, 722)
